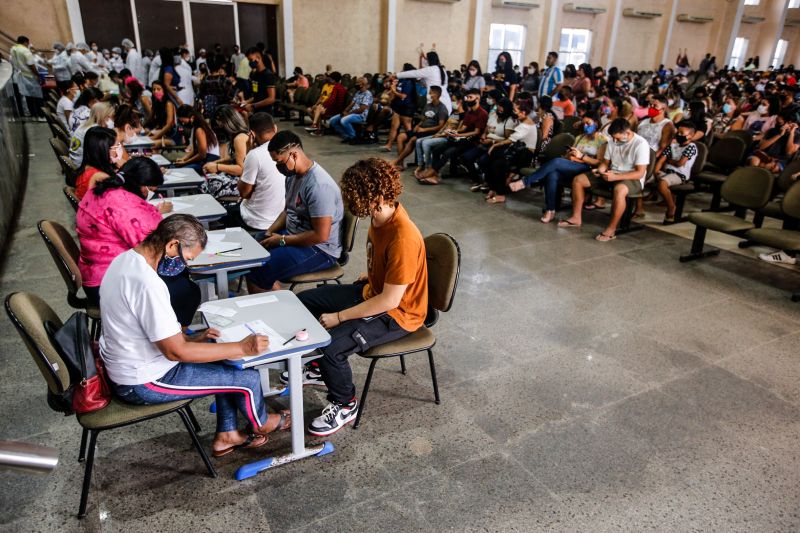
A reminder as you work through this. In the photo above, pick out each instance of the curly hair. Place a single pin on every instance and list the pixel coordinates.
(369, 181)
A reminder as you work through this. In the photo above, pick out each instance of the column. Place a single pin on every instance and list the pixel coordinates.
(391, 35)
(75, 21)
(737, 23)
(288, 36)
(612, 34)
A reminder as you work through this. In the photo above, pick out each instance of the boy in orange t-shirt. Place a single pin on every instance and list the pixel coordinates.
(385, 304)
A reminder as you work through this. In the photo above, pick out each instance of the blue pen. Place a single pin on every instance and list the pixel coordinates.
(250, 329)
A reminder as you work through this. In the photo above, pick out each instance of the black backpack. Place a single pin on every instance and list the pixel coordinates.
(73, 343)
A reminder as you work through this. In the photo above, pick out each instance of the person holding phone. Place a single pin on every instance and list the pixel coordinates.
(622, 170)
(779, 144)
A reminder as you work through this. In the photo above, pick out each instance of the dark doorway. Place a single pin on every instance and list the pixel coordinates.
(259, 23)
(107, 21)
(213, 23)
(160, 24)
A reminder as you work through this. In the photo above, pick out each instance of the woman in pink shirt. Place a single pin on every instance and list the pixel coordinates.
(114, 217)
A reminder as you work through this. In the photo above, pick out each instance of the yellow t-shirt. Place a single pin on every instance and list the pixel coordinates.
(396, 255)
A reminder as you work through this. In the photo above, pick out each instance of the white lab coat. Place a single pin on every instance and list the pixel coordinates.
(60, 64)
(146, 62)
(134, 63)
(432, 77)
(186, 91)
(116, 63)
(79, 63)
(155, 70)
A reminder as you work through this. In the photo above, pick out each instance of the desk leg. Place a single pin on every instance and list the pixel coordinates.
(299, 450)
(170, 192)
(222, 284)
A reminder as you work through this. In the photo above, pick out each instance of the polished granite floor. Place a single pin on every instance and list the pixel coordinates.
(585, 386)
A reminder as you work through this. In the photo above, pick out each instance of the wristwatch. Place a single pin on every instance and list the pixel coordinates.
(282, 241)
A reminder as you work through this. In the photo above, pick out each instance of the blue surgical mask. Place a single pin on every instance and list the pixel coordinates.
(726, 108)
(588, 129)
(171, 266)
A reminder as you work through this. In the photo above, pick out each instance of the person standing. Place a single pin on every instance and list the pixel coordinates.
(60, 63)
(262, 83)
(553, 78)
(133, 60)
(26, 78)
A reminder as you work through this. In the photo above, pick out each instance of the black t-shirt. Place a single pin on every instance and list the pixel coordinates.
(260, 82)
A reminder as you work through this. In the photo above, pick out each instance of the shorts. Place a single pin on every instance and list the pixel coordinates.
(634, 186)
(671, 179)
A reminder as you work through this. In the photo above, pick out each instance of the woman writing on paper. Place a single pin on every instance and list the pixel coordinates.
(149, 359)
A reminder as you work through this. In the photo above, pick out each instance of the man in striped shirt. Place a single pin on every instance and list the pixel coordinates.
(552, 78)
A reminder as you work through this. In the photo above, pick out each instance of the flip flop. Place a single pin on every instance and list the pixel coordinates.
(494, 200)
(247, 444)
(593, 206)
(602, 237)
(428, 181)
(567, 224)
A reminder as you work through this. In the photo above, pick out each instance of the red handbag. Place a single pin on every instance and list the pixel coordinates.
(92, 394)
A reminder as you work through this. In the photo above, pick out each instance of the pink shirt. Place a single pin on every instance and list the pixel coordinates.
(108, 225)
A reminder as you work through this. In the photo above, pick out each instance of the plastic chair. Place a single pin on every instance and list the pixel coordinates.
(747, 188)
(73, 200)
(29, 313)
(444, 265)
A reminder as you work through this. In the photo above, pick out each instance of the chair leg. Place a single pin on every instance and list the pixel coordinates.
(196, 442)
(364, 393)
(87, 475)
(680, 203)
(403, 364)
(697, 246)
(433, 377)
(193, 418)
(82, 452)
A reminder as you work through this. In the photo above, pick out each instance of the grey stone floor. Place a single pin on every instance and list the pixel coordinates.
(585, 386)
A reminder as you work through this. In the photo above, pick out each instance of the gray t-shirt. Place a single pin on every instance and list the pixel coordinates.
(433, 115)
(315, 195)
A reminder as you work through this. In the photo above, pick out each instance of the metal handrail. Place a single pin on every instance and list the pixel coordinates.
(27, 457)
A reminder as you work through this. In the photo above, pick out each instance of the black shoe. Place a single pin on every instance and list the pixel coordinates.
(333, 418)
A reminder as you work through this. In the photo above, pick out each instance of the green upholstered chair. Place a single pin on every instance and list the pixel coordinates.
(29, 313)
(724, 156)
(747, 188)
(444, 264)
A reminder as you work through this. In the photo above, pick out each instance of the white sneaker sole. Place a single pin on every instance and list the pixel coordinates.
(332, 431)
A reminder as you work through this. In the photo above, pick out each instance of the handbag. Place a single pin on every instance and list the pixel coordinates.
(89, 388)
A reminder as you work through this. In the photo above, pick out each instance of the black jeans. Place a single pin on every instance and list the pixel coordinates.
(449, 152)
(353, 336)
(184, 295)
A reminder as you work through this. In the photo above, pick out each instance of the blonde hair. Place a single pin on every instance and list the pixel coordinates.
(101, 111)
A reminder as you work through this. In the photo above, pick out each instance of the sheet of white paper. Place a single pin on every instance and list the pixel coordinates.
(177, 205)
(215, 237)
(257, 301)
(212, 309)
(160, 160)
(221, 246)
(240, 331)
(172, 178)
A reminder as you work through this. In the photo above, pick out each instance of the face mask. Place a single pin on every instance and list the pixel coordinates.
(763, 109)
(473, 72)
(150, 195)
(116, 154)
(171, 266)
(652, 112)
(109, 123)
(490, 101)
(607, 110)
(253, 64)
(681, 138)
(591, 94)
(727, 108)
(588, 129)
(283, 169)
(94, 49)
(670, 103)
(471, 103)
(158, 96)
(621, 143)
(77, 95)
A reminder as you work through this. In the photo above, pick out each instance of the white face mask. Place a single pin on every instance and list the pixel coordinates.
(110, 123)
(763, 109)
(150, 195)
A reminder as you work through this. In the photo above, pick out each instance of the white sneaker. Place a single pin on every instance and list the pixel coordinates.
(778, 257)
(333, 418)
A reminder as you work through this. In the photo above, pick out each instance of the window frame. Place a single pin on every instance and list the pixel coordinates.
(779, 56)
(739, 58)
(566, 57)
(517, 55)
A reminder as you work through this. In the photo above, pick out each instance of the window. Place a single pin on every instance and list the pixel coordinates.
(739, 50)
(780, 53)
(505, 38)
(574, 47)
(752, 2)
(793, 4)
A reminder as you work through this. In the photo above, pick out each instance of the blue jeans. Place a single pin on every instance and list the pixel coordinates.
(198, 166)
(344, 125)
(553, 171)
(235, 391)
(424, 148)
(288, 261)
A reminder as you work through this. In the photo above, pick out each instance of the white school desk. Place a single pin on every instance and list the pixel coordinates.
(252, 255)
(204, 207)
(283, 312)
(181, 179)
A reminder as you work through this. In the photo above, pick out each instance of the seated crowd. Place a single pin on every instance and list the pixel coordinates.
(631, 134)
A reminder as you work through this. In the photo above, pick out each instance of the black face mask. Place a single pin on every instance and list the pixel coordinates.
(681, 138)
(283, 169)
(472, 103)
(253, 64)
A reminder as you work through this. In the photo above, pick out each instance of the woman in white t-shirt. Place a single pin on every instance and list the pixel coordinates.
(433, 75)
(149, 360)
(514, 152)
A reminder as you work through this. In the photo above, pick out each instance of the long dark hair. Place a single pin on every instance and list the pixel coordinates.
(138, 172)
(167, 60)
(433, 61)
(507, 67)
(159, 117)
(87, 96)
(474, 63)
(96, 145)
(127, 115)
(187, 111)
(508, 109)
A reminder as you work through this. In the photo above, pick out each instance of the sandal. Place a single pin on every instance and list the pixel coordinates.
(548, 217)
(284, 423)
(494, 200)
(602, 237)
(248, 444)
(428, 181)
(567, 224)
(593, 206)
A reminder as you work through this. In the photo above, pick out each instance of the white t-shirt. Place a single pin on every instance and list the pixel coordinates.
(525, 133)
(269, 194)
(64, 104)
(625, 158)
(136, 312)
